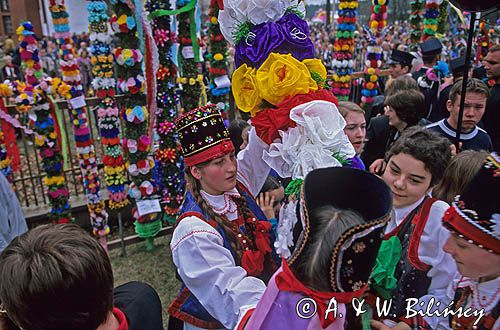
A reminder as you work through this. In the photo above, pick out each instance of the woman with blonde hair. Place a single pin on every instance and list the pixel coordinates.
(355, 129)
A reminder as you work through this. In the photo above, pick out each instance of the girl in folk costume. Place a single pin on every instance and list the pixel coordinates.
(474, 222)
(334, 255)
(420, 268)
(222, 242)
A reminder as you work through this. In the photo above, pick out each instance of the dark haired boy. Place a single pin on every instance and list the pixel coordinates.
(58, 277)
(471, 136)
(415, 163)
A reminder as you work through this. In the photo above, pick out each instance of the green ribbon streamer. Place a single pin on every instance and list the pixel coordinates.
(382, 278)
(190, 7)
(64, 139)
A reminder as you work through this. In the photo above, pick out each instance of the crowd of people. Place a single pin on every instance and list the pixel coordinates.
(412, 215)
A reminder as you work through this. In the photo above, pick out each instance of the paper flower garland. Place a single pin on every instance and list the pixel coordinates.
(344, 49)
(46, 139)
(78, 114)
(417, 7)
(430, 18)
(219, 80)
(169, 167)
(376, 29)
(108, 115)
(137, 142)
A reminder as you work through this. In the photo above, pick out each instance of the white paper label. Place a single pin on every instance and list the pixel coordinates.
(222, 81)
(78, 102)
(187, 52)
(148, 206)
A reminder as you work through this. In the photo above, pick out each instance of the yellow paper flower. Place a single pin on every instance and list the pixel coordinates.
(244, 87)
(39, 140)
(192, 81)
(218, 57)
(126, 53)
(213, 20)
(315, 65)
(5, 90)
(282, 75)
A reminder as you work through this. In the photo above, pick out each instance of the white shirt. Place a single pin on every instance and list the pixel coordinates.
(485, 296)
(430, 250)
(205, 266)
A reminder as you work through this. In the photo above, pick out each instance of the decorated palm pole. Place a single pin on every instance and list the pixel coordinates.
(30, 97)
(137, 142)
(169, 172)
(430, 19)
(417, 7)
(483, 40)
(107, 111)
(442, 17)
(375, 30)
(219, 80)
(190, 78)
(344, 49)
(5, 161)
(78, 114)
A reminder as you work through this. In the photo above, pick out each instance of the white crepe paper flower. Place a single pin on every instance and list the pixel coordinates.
(318, 136)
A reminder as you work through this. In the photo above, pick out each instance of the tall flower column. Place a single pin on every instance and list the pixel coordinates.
(430, 18)
(169, 171)
(417, 7)
(219, 80)
(190, 77)
(107, 110)
(30, 97)
(377, 24)
(344, 49)
(78, 113)
(137, 142)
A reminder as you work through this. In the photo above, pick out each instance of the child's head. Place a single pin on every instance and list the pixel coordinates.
(415, 163)
(460, 171)
(473, 220)
(238, 132)
(342, 232)
(355, 126)
(56, 277)
(476, 95)
(404, 108)
(276, 190)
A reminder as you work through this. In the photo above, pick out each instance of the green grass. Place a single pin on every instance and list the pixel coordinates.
(155, 268)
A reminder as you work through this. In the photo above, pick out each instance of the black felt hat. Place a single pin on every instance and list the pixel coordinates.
(475, 214)
(398, 56)
(457, 64)
(355, 251)
(203, 135)
(431, 46)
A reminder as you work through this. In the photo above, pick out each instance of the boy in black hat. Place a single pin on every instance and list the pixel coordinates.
(400, 63)
(431, 48)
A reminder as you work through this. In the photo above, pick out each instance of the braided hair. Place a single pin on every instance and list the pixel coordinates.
(194, 187)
